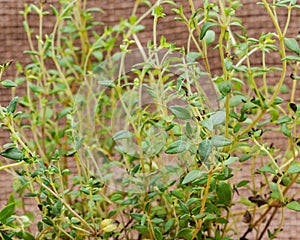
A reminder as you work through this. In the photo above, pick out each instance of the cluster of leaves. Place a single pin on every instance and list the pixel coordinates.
(94, 145)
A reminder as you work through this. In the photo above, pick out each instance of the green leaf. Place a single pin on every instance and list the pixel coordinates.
(192, 176)
(284, 119)
(294, 169)
(178, 146)
(8, 83)
(183, 206)
(13, 153)
(236, 100)
(231, 160)
(285, 88)
(220, 141)
(236, 128)
(11, 108)
(224, 192)
(178, 193)
(157, 220)
(247, 106)
(285, 130)
(185, 233)
(218, 118)
(137, 216)
(205, 149)
(158, 11)
(180, 112)
(137, 28)
(192, 56)
(275, 195)
(293, 206)
(36, 9)
(144, 219)
(275, 190)
(35, 88)
(292, 58)
(123, 134)
(286, 181)
(188, 129)
(32, 53)
(277, 101)
(129, 201)
(204, 29)
(50, 223)
(170, 2)
(27, 236)
(228, 64)
(200, 216)
(225, 87)
(64, 112)
(107, 83)
(54, 10)
(246, 202)
(242, 183)
(7, 212)
(210, 37)
(57, 208)
(157, 233)
(282, 3)
(169, 224)
(266, 169)
(292, 45)
(207, 123)
(245, 157)
(68, 29)
(94, 9)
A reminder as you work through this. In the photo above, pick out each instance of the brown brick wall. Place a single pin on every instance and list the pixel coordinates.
(13, 43)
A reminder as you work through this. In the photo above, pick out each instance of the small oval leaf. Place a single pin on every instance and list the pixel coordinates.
(205, 149)
(292, 45)
(192, 176)
(218, 118)
(294, 169)
(13, 153)
(177, 147)
(210, 37)
(208, 124)
(224, 192)
(231, 160)
(11, 108)
(123, 134)
(266, 169)
(204, 29)
(220, 141)
(185, 233)
(6, 212)
(180, 112)
(8, 83)
(293, 206)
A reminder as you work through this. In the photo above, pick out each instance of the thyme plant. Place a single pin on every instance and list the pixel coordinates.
(116, 140)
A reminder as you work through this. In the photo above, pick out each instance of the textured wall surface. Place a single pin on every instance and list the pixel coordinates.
(13, 43)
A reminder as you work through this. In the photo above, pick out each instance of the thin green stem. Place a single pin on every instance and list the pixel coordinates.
(280, 36)
(262, 147)
(12, 165)
(288, 19)
(294, 85)
(264, 77)
(204, 199)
